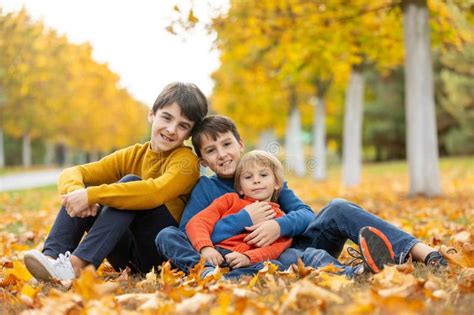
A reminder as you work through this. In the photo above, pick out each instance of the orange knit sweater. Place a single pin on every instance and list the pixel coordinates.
(200, 227)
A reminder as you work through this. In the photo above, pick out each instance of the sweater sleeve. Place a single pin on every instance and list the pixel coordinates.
(105, 171)
(269, 252)
(200, 227)
(200, 199)
(298, 214)
(231, 225)
(179, 177)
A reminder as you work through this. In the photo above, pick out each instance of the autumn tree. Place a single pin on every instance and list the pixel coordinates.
(422, 140)
(53, 90)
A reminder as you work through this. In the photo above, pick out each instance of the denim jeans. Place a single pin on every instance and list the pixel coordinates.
(124, 237)
(175, 246)
(337, 222)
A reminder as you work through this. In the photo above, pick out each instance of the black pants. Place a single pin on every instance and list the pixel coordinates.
(124, 237)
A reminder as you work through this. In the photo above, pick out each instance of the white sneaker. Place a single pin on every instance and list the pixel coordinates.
(47, 269)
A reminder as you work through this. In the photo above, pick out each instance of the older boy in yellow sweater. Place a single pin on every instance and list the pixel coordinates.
(126, 198)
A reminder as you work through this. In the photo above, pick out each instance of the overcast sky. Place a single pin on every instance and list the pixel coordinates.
(130, 36)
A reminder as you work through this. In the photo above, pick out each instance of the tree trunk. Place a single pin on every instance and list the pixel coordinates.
(94, 156)
(68, 156)
(422, 140)
(319, 139)
(2, 150)
(294, 140)
(268, 142)
(26, 150)
(352, 142)
(49, 155)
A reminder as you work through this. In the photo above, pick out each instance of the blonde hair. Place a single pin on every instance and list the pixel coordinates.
(263, 158)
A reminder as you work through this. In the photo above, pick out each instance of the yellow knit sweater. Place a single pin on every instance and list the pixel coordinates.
(167, 178)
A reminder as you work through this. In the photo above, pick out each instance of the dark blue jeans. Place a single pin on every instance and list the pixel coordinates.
(124, 237)
(175, 246)
(337, 222)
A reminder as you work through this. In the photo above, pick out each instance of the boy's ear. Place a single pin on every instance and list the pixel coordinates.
(242, 145)
(203, 163)
(151, 115)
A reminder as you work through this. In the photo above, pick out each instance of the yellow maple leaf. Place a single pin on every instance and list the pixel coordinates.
(19, 270)
(89, 286)
(334, 282)
(463, 258)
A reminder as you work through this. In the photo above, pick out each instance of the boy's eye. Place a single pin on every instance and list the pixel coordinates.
(184, 127)
(209, 151)
(264, 175)
(167, 118)
(226, 144)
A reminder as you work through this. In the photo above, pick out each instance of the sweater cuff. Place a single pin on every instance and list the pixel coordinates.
(253, 258)
(73, 188)
(201, 244)
(244, 218)
(93, 194)
(285, 227)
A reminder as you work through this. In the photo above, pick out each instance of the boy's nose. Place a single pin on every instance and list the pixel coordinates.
(171, 129)
(220, 153)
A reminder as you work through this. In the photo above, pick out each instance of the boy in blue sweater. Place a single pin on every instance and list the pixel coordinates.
(317, 239)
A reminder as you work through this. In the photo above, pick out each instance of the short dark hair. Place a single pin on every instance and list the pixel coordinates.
(189, 98)
(212, 126)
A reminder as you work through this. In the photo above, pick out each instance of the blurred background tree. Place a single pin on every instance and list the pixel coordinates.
(56, 100)
(282, 57)
(325, 79)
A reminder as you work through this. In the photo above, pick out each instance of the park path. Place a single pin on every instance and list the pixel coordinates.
(30, 179)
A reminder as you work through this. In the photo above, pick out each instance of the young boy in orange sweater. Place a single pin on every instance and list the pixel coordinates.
(258, 178)
(126, 198)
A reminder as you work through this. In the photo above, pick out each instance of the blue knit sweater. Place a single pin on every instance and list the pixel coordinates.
(299, 215)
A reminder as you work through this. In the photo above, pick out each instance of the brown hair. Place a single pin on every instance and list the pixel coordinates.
(189, 98)
(263, 158)
(213, 126)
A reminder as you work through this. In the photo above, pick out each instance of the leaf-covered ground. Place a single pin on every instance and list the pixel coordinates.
(444, 222)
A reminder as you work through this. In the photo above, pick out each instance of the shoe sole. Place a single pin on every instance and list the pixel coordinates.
(34, 264)
(376, 249)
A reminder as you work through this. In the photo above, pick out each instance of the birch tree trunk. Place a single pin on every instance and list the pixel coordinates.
(352, 140)
(26, 150)
(93, 155)
(422, 140)
(2, 150)
(49, 155)
(267, 141)
(319, 139)
(294, 140)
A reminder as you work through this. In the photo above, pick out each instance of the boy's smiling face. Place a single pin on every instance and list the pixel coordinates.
(257, 181)
(169, 128)
(221, 155)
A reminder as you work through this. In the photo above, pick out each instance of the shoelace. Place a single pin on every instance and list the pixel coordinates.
(63, 259)
(357, 257)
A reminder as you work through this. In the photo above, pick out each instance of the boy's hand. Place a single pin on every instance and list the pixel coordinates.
(260, 212)
(263, 234)
(237, 260)
(89, 212)
(212, 255)
(76, 202)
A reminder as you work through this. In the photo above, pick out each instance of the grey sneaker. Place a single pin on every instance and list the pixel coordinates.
(47, 269)
(207, 272)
